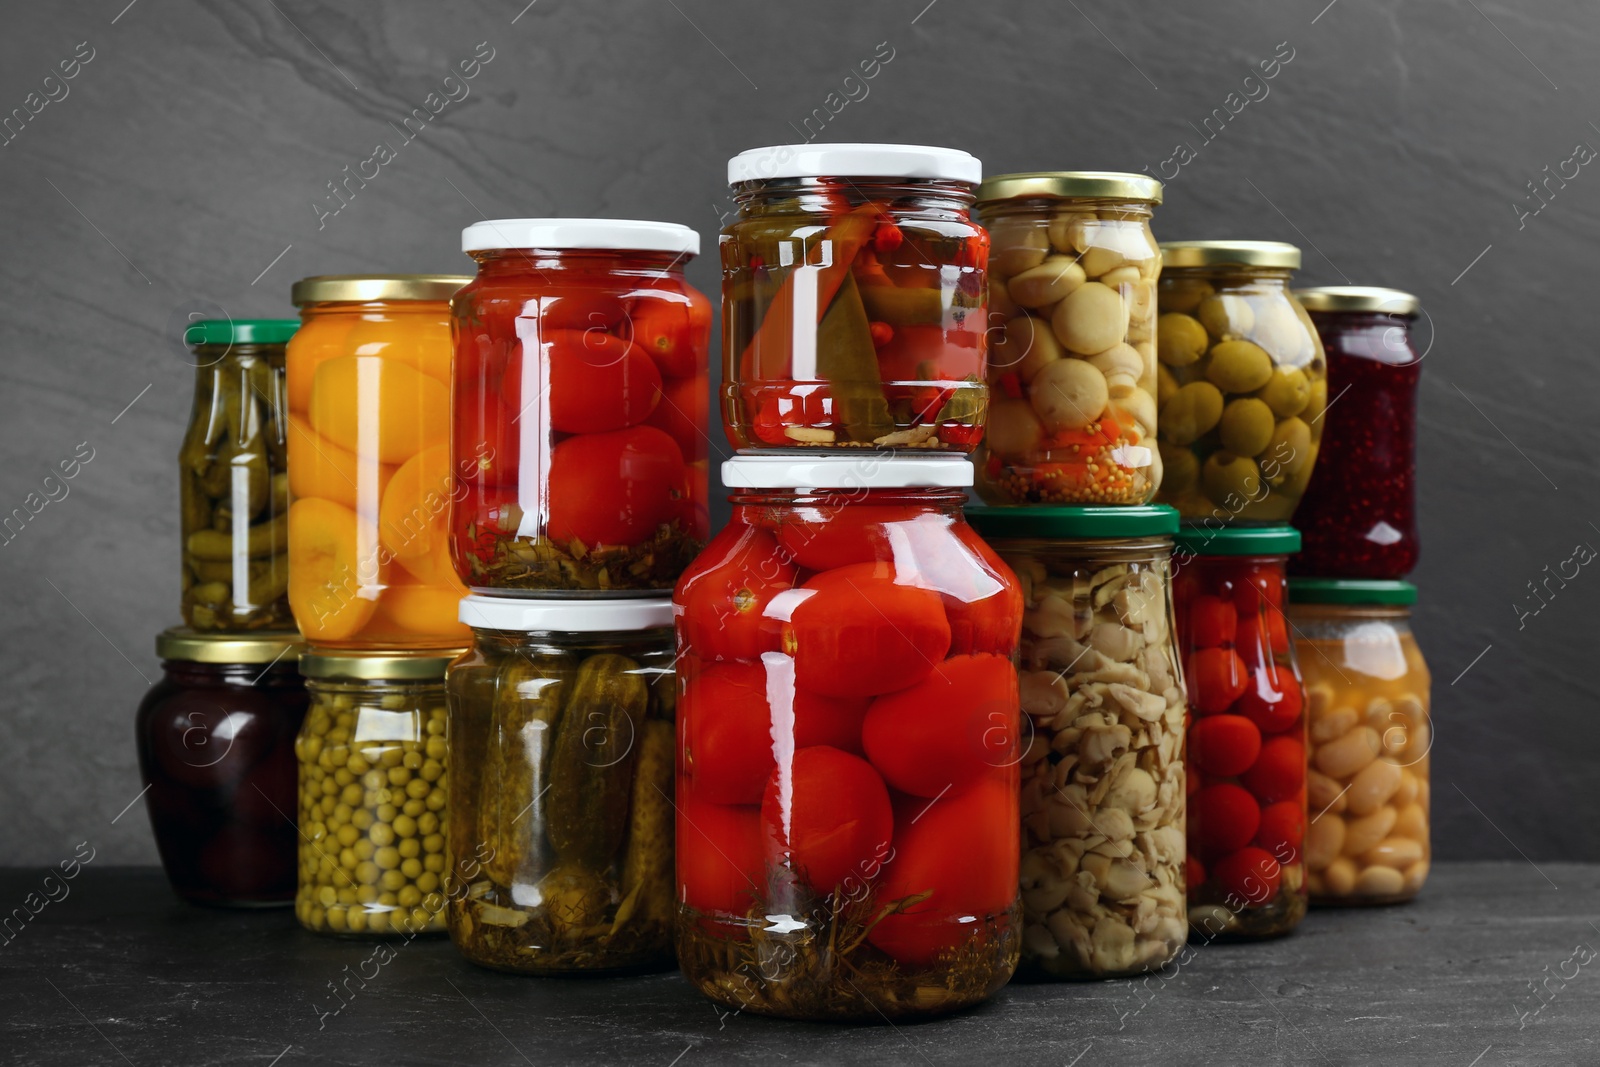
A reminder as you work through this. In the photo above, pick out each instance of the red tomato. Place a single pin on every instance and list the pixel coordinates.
(485, 446)
(613, 488)
(581, 309)
(1257, 582)
(829, 815)
(684, 408)
(1283, 827)
(719, 855)
(859, 633)
(954, 353)
(675, 329)
(1279, 771)
(803, 404)
(1224, 745)
(1273, 699)
(1216, 677)
(826, 536)
(987, 624)
(597, 381)
(724, 596)
(1222, 818)
(1212, 622)
(1250, 876)
(947, 729)
(1194, 874)
(963, 851)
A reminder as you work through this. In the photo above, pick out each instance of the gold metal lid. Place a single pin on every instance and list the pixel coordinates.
(1229, 254)
(1070, 184)
(204, 646)
(372, 288)
(1370, 298)
(426, 665)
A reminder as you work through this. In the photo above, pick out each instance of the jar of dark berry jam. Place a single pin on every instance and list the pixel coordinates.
(1358, 517)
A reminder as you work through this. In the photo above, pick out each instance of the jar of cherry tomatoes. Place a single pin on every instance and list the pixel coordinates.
(369, 462)
(1102, 774)
(580, 408)
(847, 834)
(1358, 516)
(1367, 691)
(1246, 755)
(853, 299)
(1072, 363)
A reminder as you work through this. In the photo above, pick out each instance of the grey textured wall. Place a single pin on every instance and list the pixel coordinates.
(181, 166)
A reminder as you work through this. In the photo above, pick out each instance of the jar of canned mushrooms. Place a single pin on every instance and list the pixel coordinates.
(1072, 360)
(234, 477)
(562, 737)
(1102, 776)
(373, 792)
(1242, 382)
(1367, 699)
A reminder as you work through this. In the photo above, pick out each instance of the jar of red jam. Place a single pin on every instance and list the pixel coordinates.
(847, 837)
(1246, 749)
(1358, 516)
(216, 752)
(853, 298)
(580, 402)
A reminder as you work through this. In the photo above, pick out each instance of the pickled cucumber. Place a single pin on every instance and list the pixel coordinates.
(647, 869)
(529, 696)
(591, 773)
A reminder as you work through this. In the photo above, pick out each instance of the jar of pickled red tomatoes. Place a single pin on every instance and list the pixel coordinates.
(853, 299)
(1241, 382)
(1367, 693)
(1358, 516)
(373, 806)
(580, 408)
(1246, 757)
(216, 752)
(369, 463)
(847, 834)
(234, 478)
(1102, 774)
(1072, 358)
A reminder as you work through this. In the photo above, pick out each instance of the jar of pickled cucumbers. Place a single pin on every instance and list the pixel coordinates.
(853, 299)
(1072, 356)
(1358, 516)
(216, 751)
(1246, 757)
(561, 729)
(847, 833)
(581, 393)
(1102, 773)
(234, 477)
(1241, 382)
(369, 463)
(1367, 691)
(373, 794)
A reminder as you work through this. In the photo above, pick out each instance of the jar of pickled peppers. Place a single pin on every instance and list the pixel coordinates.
(1072, 358)
(581, 393)
(1246, 757)
(234, 477)
(562, 737)
(853, 299)
(847, 832)
(369, 463)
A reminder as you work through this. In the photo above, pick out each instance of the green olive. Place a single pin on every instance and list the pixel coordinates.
(1246, 426)
(1287, 392)
(1182, 294)
(1226, 317)
(1226, 475)
(1191, 413)
(1317, 400)
(1180, 339)
(1290, 446)
(1182, 468)
(1238, 366)
(1166, 384)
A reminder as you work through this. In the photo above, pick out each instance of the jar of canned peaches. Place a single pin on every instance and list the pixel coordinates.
(369, 462)
(853, 299)
(1367, 693)
(1072, 358)
(1241, 382)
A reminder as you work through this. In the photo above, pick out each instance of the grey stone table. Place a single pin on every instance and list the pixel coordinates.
(1495, 964)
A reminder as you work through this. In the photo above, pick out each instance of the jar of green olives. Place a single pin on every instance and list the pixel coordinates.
(373, 813)
(1241, 381)
(561, 724)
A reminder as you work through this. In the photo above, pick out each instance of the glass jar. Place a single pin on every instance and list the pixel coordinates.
(847, 833)
(373, 787)
(216, 752)
(369, 463)
(853, 299)
(1072, 355)
(1367, 691)
(1246, 755)
(233, 477)
(1358, 516)
(561, 725)
(1242, 382)
(1102, 774)
(582, 470)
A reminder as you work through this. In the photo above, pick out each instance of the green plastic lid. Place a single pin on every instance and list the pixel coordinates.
(240, 331)
(1238, 540)
(1350, 591)
(1134, 520)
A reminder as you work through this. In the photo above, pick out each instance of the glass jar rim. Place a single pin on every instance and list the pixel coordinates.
(860, 160)
(620, 235)
(1368, 298)
(869, 470)
(181, 644)
(1088, 522)
(1352, 592)
(504, 615)
(1238, 540)
(239, 332)
(1069, 185)
(1278, 254)
(354, 666)
(374, 288)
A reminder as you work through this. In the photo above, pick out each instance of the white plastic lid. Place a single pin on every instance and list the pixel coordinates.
(870, 471)
(623, 234)
(573, 616)
(854, 161)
